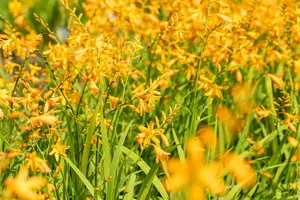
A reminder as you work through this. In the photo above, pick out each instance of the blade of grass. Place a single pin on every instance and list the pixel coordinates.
(105, 144)
(145, 188)
(143, 165)
(114, 167)
(130, 187)
(178, 146)
(81, 176)
(89, 135)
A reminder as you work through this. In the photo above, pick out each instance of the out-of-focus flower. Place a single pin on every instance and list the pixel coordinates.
(296, 155)
(4, 161)
(94, 87)
(5, 158)
(194, 172)
(210, 176)
(50, 187)
(208, 137)
(1, 114)
(241, 92)
(224, 114)
(113, 101)
(45, 119)
(277, 80)
(24, 187)
(241, 171)
(15, 115)
(292, 141)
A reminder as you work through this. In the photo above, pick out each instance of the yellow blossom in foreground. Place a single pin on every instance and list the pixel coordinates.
(22, 187)
(210, 177)
(207, 137)
(58, 149)
(195, 173)
(199, 175)
(241, 171)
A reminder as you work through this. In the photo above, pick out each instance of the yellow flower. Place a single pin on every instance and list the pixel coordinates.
(160, 154)
(6, 157)
(16, 8)
(149, 134)
(263, 112)
(195, 173)
(209, 176)
(45, 119)
(179, 175)
(113, 101)
(290, 119)
(22, 187)
(58, 149)
(35, 162)
(15, 115)
(224, 114)
(208, 137)
(292, 141)
(1, 114)
(4, 161)
(277, 80)
(296, 155)
(215, 90)
(94, 87)
(241, 171)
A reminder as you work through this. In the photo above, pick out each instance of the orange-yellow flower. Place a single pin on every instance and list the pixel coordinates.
(15, 115)
(210, 175)
(23, 187)
(149, 134)
(58, 150)
(208, 137)
(241, 171)
(292, 141)
(45, 119)
(195, 173)
(35, 162)
(263, 112)
(1, 114)
(160, 154)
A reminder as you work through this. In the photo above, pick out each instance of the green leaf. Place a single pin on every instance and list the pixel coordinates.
(156, 182)
(81, 176)
(111, 185)
(89, 135)
(145, 188)
(178, 146)
(130, 187)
